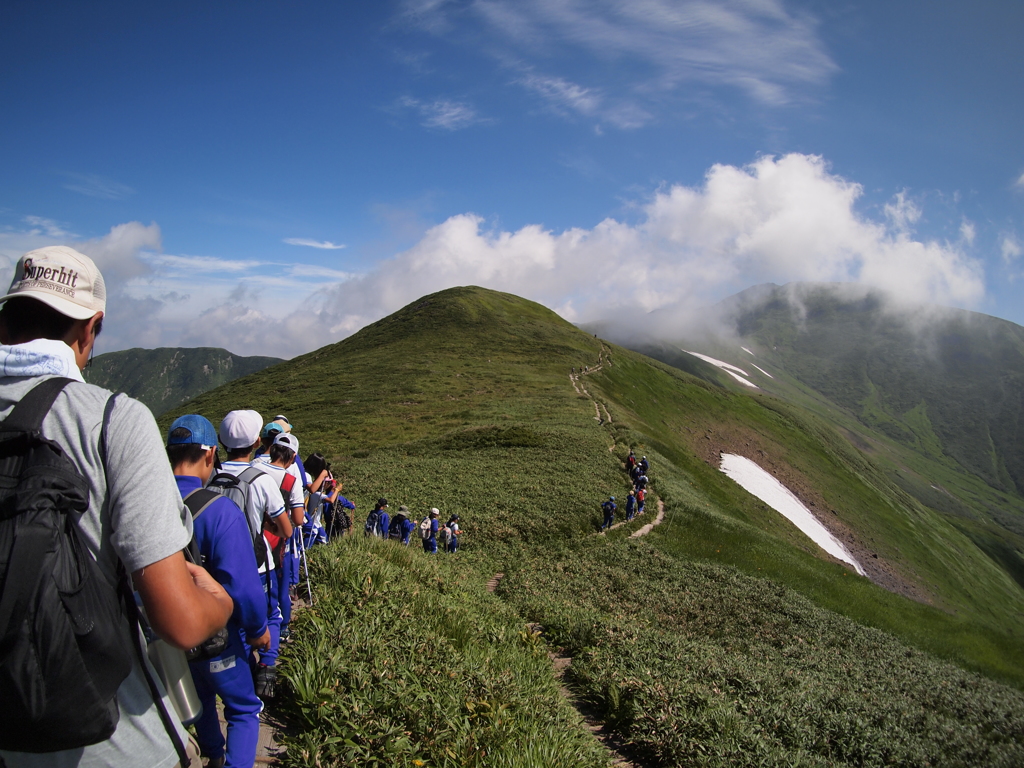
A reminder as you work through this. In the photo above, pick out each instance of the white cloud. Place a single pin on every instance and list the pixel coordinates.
(118, 254)
(317, 271)
(202, 264)
(443, 113)
(779, 219)
(902, 212)
(636, 54)
(968, 232)
(1011, 249)
(1020, 182)
(47, 227)
(323, 244)
(93, 185)
(562, 94)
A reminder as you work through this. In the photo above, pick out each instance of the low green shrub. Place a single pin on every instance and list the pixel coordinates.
(404, 660)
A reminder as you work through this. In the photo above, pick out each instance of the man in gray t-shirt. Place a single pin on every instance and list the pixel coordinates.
(135, 512)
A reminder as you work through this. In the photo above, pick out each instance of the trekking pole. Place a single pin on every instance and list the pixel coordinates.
(305, 564)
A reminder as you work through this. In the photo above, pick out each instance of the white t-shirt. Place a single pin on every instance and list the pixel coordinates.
(264, 499)
(277, 473)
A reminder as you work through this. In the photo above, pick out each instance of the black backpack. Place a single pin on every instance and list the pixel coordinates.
(62, 650)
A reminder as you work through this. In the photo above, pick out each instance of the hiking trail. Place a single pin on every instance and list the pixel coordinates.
(574, 379)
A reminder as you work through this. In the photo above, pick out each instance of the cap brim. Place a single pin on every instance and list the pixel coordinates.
(62, 305)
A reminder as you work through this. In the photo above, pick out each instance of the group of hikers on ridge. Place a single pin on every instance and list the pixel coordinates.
(400, 528)
(115, 537)
(637, 498)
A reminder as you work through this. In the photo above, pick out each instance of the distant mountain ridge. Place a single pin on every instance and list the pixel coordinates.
(166, 377)
(945, 381)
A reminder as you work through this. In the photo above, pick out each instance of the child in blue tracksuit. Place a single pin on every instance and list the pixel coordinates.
(225, 544)
(430, 544)
(631, 505)
(609, 513)
(401, 526)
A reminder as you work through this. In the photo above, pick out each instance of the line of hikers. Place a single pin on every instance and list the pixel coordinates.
(400, 528)
(637, 498)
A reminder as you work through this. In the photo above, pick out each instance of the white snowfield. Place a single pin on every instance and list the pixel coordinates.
(777, 496)
(762, 370)
(737, 373)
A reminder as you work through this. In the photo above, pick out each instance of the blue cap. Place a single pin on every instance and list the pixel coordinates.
(200, 431)
(271, 428)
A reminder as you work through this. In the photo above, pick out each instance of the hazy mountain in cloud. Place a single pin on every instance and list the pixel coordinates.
(944, 381)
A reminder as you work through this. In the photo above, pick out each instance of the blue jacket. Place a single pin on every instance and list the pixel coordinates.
(222, 534)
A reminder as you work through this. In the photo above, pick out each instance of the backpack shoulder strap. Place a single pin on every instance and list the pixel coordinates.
(199, 499)
(287, 483)
(249, 475)
(30, 411)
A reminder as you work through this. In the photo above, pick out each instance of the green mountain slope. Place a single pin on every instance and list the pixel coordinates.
(949, 382)
(167, 377)
(725, 637)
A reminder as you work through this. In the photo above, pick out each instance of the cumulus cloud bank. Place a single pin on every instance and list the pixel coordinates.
(779, 219)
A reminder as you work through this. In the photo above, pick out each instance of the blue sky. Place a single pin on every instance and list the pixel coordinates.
(269, 177)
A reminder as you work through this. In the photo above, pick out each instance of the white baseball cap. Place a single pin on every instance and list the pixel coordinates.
(288, 441)
(62, 278)
(240, 429)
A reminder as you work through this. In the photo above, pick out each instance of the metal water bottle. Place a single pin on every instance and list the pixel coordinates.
(176, 676)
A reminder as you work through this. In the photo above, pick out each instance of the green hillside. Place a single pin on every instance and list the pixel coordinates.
(725, 637)
(166, 377)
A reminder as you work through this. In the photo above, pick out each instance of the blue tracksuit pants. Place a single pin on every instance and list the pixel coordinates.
(228, 676)
(269, 656)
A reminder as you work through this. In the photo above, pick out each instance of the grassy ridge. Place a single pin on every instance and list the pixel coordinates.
(702, 666)
(463, 401)
(405, 660)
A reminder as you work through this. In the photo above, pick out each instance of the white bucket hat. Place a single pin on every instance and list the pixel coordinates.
(61, 278)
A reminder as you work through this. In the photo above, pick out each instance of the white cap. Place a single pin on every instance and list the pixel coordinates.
(62, 278)
(240, 429)
(288, 441)
(435, 511)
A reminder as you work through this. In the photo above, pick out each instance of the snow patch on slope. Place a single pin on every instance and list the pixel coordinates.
(737, 373)
(777, 496)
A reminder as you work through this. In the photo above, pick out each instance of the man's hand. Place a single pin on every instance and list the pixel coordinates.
(184, 603)
(262, 642)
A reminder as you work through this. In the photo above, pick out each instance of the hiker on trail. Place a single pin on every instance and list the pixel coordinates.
(129, 512)
(428, 531)
(631, 505)
(630, 461)
(401, 527)
(378, 521)
(336, 519)
(267, 435)
(259, 495)
(641, 496)
(644, 465)
(634, 473)
(224, 544)
(641, 482)
(453, 542)
(323, 494)
(609, 512)
(279, 464)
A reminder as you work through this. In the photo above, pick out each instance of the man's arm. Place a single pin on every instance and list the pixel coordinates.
(184, 604)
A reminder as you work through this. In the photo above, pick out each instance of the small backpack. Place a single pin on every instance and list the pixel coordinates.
(395, 529)
(372, 527)
(216, 644)
(445, 536)
(62, 656)
(426, 529)
(236, 488)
